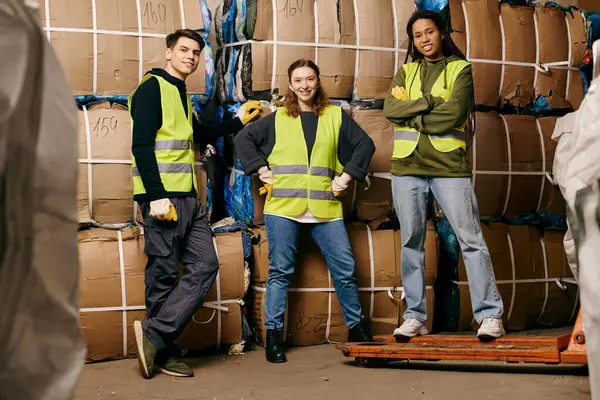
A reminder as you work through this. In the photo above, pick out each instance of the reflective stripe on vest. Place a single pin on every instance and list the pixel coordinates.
(173, 146)
(300, 184)
(406, 138)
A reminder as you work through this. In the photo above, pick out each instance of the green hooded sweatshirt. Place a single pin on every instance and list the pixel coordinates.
(432, 115)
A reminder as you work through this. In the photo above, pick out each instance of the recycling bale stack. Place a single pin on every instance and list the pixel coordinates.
(106, 47)
(533, 276)
(357, 45)
(313, 314)
(105, 188)
(112, 264)
(511, 158)
(521, 54)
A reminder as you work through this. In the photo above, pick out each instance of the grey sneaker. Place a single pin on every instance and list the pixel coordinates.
(411, 328)
(146, 351)
(174, 366)
(490, 329)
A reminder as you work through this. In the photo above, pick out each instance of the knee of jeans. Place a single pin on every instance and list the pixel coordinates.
(413, 239)
(280, 272)
(344, 265)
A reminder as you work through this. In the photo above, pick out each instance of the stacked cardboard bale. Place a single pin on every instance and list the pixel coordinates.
(112, 289)
(521, 52)
(360, 45)
(511, 157)
(313, 313)
(105, 47)
(533, 276)
(105, 194)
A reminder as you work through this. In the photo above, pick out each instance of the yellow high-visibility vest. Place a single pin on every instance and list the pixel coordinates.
(407, 138)
(299, 183)
(174, 144)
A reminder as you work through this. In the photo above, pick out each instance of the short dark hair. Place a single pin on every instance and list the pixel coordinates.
(172, 38)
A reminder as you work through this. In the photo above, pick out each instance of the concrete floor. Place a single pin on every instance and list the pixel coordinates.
(322, 372)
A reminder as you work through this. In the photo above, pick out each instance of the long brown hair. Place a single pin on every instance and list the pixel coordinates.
(321, 100)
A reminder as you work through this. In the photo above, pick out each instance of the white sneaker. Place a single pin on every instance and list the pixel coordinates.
(411, 328)
(490, 329)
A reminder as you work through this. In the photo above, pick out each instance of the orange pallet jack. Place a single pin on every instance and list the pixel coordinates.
(557, 349)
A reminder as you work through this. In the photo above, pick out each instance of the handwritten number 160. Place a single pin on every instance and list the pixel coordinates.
(291, 9)
(152, 15)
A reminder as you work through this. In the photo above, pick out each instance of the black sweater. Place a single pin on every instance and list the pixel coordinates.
(146, 112)
(255, 143)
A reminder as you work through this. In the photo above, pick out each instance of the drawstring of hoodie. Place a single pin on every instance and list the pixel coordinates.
(445, 73)
(423, 73)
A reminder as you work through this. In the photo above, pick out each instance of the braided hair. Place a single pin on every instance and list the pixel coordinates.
(449, 48)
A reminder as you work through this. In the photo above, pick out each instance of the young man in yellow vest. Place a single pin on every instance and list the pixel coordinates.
(429, 102)
(176, 230)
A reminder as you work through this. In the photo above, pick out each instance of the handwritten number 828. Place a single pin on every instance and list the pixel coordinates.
(304, 322)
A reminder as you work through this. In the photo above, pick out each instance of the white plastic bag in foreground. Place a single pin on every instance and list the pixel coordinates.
(563, 134)
(582, 192)
(41, 346)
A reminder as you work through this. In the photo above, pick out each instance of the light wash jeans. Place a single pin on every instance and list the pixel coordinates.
(332, 239)
(457, 199)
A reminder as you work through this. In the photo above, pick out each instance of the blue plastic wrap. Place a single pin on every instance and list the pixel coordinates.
(240, 20)
(431, 5)
(237, 185)
(447, 295)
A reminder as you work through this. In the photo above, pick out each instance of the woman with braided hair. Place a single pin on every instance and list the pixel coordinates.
(430, 102)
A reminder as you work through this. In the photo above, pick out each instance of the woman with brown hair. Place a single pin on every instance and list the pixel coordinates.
(306, 155)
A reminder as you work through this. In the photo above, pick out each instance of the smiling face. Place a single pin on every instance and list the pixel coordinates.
(428, 39)
(304, 83)
(183, 59)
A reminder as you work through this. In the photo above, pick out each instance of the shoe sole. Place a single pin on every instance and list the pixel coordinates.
(277, 361)
(176, 374)
(139, 341)
(488, 338)
(401, 336)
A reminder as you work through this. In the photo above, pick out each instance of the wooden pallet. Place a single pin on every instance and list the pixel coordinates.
(552, 349)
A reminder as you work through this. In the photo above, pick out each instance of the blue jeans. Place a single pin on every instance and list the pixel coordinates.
(457, 199)
(332, 239)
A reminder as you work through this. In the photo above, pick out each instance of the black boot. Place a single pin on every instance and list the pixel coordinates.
(275, 349)
(359, 333)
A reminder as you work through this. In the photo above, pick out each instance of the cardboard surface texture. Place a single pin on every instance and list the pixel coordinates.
(520, 187)
(339, 23)
(499, 34)
(379, 284)
(106, 289)
(381, 131)
(108, 52)
(105, 182)
(105, 136)
(527, 267)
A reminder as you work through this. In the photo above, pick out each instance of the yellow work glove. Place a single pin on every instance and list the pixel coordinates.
(163, 210)
(399, 93)
(266, 176)
(266, 190)
(248, 111)
(339, 184)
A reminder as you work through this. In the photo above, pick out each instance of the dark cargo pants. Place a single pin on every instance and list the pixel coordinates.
(171, 301)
